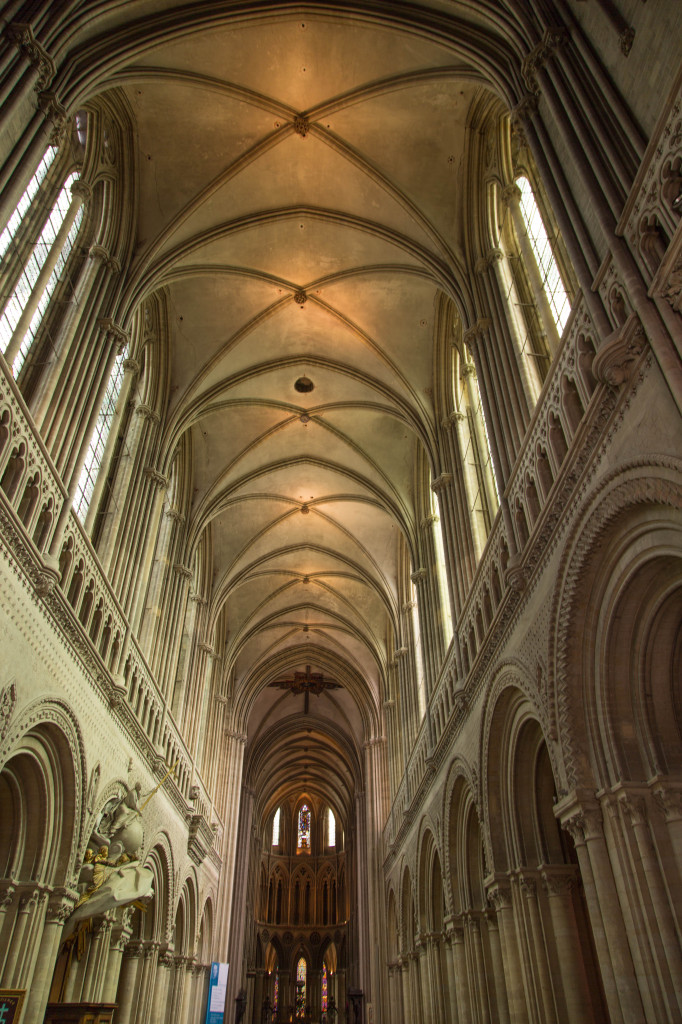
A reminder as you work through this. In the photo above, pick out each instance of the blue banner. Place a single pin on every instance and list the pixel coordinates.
(217, 990)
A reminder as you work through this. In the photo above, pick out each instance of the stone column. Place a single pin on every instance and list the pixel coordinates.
(60, 906)
(18, 945)
(462, 989)
(654, 897)
(93, 979)
(559, 883)
(473, 924)
(162, 978)
(500, 895)
(451, 1011)
(129, 980)
(580, 814)
(183, 969)
(497, 966)
(539, 965)
(120, 935)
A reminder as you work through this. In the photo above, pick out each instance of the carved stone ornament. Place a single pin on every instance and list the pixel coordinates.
(615, 360)
(8, 700)
(301, 125)
(22, 36)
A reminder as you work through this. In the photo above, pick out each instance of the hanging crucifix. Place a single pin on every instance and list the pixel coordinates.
(306, 683)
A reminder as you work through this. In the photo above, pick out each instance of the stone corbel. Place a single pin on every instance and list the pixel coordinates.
(615, 360)
(21, 34)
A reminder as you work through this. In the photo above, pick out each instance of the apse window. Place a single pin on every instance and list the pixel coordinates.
(331, 828)
(301, 989)
(275, 828)
(552, 284)
(303, 844)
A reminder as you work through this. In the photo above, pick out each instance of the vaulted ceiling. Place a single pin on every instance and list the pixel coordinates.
(301, 207)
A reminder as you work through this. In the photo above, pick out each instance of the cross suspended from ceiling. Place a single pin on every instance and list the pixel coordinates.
(306, 683)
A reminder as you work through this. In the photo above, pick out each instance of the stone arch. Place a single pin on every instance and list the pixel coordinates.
(619, 600)
(47, 739)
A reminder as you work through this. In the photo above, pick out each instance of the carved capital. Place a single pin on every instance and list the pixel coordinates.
(112, 334)
(511, 194)
(81, 190)
(668, 800)
(182, 572)
(443, 481)
(147, 413)
(419, 576)
(558, 881)
(131, 366)
(98, 252)
(155, 477)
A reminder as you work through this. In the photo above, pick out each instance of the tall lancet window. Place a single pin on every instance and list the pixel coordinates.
(303, 828)
(34, 276)
(418, 653)
(301, 972)
(331, 828)
(443, 588)
(552, 283)
(98, 442)
(275, 827)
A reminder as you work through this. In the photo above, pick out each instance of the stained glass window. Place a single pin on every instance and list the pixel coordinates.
(544, 257)
(275, 828)
(300, 988)
(331, 829)
(304, 827)
(275, 1000)
(324, 987)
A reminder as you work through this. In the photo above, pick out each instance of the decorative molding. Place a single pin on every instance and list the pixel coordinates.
(8, 700)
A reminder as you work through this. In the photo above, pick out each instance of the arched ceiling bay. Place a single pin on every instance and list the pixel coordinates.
(300, 211)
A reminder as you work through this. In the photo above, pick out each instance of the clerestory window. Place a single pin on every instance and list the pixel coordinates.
(41, 261)
(98, 442)
(545, 260)
(275, 827)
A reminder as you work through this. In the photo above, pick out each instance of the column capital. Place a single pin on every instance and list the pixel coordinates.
(419, 576)
(81, 190)
(443, 481)
(158, 479)
(499, 892)
(147, 413)
(580, 814)
(511, 194)
(667, 797)
(429, 520)
(55, 112)
(558, 879)
(112, 334)
(99, 252)
(182, 572)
